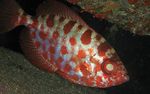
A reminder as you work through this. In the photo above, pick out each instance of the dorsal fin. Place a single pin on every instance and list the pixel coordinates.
(54, 7)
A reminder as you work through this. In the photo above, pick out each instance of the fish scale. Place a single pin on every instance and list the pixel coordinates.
(81, 74)
(60, 41)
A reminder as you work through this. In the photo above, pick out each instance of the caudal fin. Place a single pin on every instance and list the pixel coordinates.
(9, 13)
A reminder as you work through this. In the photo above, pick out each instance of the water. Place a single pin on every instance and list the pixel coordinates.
(134, 50)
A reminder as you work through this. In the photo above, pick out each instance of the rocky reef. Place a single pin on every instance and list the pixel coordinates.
(18, 76)
(132, 15)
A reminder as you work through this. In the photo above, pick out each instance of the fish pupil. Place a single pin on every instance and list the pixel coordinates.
(109, 67)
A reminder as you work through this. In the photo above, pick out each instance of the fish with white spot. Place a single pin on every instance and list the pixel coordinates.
(58, 40)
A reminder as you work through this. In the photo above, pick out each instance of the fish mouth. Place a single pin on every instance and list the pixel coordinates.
(122, 74)
(120, 80)
(123, 79)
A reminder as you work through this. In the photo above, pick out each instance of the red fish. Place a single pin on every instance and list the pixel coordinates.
(58, 40)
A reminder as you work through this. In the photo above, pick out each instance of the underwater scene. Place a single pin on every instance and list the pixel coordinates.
(74, 46)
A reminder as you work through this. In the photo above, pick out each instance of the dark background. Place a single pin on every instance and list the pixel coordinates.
(134, 50)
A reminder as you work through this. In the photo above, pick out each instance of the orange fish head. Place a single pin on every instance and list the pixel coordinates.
(113, 73)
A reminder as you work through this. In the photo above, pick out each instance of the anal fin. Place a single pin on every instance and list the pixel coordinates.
(32, 54)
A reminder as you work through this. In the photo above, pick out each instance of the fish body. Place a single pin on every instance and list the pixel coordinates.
(58, 40)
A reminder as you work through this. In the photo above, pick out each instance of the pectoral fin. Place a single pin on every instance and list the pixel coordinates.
(32, 53)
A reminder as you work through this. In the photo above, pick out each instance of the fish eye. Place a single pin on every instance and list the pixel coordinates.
(108, 67)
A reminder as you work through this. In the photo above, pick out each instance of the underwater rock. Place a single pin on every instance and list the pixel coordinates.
(18, 76)
(133, 15)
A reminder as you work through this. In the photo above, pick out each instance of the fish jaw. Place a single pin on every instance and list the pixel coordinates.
(100, 79)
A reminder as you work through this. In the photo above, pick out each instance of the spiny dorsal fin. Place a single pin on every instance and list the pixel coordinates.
(54, 7)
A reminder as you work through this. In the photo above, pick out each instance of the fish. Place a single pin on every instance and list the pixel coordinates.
(57, 40)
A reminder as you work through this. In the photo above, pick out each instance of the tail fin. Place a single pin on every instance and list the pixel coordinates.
(9, 13)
